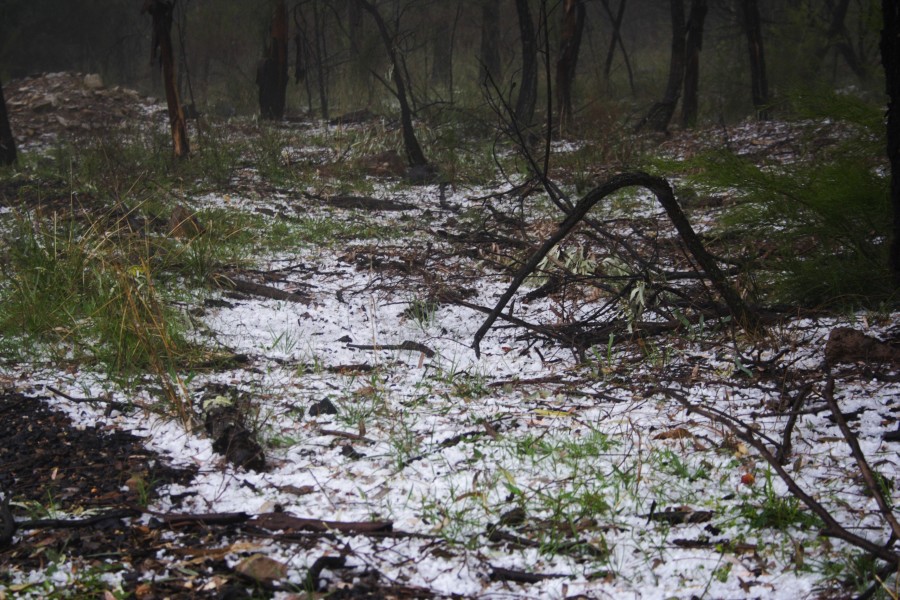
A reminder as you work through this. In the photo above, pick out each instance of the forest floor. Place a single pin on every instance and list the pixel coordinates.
(339, 436)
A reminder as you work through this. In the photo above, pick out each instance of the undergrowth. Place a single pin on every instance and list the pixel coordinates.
(815, 231)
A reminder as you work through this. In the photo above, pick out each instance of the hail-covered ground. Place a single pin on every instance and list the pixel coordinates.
(527, 470)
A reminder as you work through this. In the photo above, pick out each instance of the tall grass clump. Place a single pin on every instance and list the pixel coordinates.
(87, 292)
(820, 225)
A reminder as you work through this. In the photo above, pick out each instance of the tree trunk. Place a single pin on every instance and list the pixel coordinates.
(890, 58)
(356, 31)
(617, 39)
(490, 40)
(161, 12)
(660, 114)
(570, 42)
(528, 88)
(272, 71)
(692, 63)
(441, 53)
(321, 59)
(414, 154)
(7, 142)
(839, 39)
(759, 83)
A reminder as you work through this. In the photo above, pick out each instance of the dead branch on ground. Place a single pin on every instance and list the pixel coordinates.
(742, 313)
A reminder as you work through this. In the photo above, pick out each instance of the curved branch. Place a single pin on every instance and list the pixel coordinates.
(663, 191)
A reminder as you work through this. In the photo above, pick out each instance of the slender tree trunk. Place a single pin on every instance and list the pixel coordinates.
(528, 88)
(441, 53)
(570, 42)
(692, 62)
(272, 71)
(414, 153)
(490, 41)
(759, 82)
(617, 39)
(161, 12)
(890, 58)
(839, 39)
(356, 31)
(321, 59)
(7, 141)
(660, 114)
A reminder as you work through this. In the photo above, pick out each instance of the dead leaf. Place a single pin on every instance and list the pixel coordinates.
(679, 433)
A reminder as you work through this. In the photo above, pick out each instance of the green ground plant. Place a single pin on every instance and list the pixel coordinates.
(825, 216)
(90, 291)
(768, 509)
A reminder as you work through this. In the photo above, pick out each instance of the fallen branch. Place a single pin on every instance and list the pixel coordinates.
(122, 513)
(832, 527)
(111, 404)
(227, 281)
(663, 191)
(407, 345)
(501, 574)
(864, 469)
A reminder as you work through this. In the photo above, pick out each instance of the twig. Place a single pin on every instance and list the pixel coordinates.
(112, 404)
(347, 434)
(864, 469)
(784, 450)
(76, 523)
(832, 527)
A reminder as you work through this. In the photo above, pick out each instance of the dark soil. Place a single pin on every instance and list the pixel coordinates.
(79, 495)
(49, 464)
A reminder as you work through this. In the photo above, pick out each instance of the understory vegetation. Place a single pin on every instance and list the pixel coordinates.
(616, 421)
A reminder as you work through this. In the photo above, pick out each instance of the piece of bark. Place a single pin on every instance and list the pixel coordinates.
(849, 345)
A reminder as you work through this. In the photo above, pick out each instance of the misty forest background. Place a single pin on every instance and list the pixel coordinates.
(337, 58)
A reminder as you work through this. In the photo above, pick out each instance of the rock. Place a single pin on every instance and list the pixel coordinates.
(848, 345)
(93, 81)
(261, 569)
